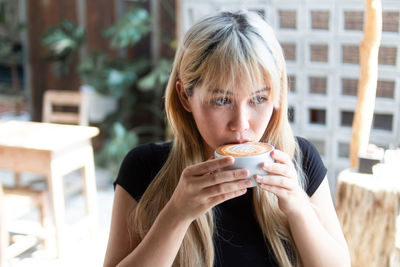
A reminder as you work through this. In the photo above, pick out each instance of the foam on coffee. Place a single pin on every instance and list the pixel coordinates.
(244, 149)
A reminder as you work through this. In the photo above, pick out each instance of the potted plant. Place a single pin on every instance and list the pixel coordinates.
(63, 42)
(124, 89)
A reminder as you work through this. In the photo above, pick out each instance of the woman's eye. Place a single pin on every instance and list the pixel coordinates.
(259, 100)
(221, 101)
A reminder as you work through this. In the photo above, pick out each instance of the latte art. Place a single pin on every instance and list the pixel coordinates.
(244, 149)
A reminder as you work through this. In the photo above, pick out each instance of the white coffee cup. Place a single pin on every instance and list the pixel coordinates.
(248, 155)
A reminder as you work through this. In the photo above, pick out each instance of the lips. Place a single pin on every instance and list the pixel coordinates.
(238, 141)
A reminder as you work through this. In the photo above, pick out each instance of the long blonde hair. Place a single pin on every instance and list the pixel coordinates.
(220, 50)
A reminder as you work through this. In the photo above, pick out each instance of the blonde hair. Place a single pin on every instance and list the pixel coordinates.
(223, 49)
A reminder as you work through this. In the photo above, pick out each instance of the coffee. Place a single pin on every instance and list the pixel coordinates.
(248, 155)
(244, 149)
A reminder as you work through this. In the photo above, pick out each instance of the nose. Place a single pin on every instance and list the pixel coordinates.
(240, 119)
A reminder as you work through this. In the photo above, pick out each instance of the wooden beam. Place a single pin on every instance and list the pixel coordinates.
(41, 15)
(100, 14)
(369, 49)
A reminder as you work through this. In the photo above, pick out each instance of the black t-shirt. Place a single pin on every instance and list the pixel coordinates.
(238, 239)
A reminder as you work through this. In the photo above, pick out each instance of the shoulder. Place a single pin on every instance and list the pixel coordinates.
(140, 166)
(150, 151)
(308, 151)
(305, 145)
(311, 164)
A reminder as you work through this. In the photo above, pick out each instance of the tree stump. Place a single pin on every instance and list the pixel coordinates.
(367, 207)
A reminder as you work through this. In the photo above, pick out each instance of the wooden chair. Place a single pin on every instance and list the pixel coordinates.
(53, 104)
(56, 109)
(62, 99)
(14, 203)
(54, 98)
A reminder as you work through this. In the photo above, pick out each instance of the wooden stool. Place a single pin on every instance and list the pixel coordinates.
(367, 207)
(52, 150)
(16, 202)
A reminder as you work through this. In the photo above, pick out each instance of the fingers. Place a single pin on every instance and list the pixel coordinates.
(220, 177)
(209, 166)
(281, 157)
(278, 191)
(280, 169)
(226, 188)
(275, 181)
(281, 174)
(224, 197)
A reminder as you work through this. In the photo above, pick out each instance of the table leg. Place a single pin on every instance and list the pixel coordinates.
(55, 182)
(88, 172)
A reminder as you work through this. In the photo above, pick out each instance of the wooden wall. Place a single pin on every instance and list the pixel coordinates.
(41, 14)
(45, 13)
(99, 15)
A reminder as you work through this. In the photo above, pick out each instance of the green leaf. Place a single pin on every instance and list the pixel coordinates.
(157, 78)
(148, 82)
(63, 40)
(119, 130)
(129, 29)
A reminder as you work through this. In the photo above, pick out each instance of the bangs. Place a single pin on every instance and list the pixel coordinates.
(236, 64)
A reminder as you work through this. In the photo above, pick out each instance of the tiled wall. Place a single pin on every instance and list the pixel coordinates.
(321, 44)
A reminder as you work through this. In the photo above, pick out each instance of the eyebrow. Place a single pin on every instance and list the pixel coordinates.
(265, 89)
(221, 91)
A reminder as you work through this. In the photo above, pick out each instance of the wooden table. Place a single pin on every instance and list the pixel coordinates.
(52, 150)
(368, 208)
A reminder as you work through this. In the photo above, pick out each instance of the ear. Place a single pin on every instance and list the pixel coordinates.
(183, 97)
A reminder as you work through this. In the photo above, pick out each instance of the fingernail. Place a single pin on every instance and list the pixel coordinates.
(258, 178)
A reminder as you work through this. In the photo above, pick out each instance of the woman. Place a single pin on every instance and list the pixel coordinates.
(175, 206)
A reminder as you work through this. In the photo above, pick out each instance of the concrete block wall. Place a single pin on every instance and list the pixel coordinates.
(321, 43)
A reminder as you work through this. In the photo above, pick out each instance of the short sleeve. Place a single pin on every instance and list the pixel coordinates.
(312, 165)
(140, 166)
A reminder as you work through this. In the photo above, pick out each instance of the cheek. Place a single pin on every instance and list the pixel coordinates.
(210, 120)
(263, 119)
(206, 119)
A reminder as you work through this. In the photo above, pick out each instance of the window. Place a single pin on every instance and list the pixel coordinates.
(353, 20)
(287, 19)
(319, 53)
(319, 145)
(320, 20)
(387, 55)
(317, 116)
(385, 89)
(291, 113)
(390, 21)
(343, 150)
(383, 122)
(292, 83)
(260, 12)
(289, 50)
(349, 86)
(351, 54)
(346, 118)
(317, 85)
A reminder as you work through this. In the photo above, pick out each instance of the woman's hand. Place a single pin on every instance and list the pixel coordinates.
(204, 185)
(282, 181)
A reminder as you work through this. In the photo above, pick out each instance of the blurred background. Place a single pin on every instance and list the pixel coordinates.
(118, 54)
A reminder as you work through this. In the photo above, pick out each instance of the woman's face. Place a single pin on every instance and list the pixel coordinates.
(236, 116)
